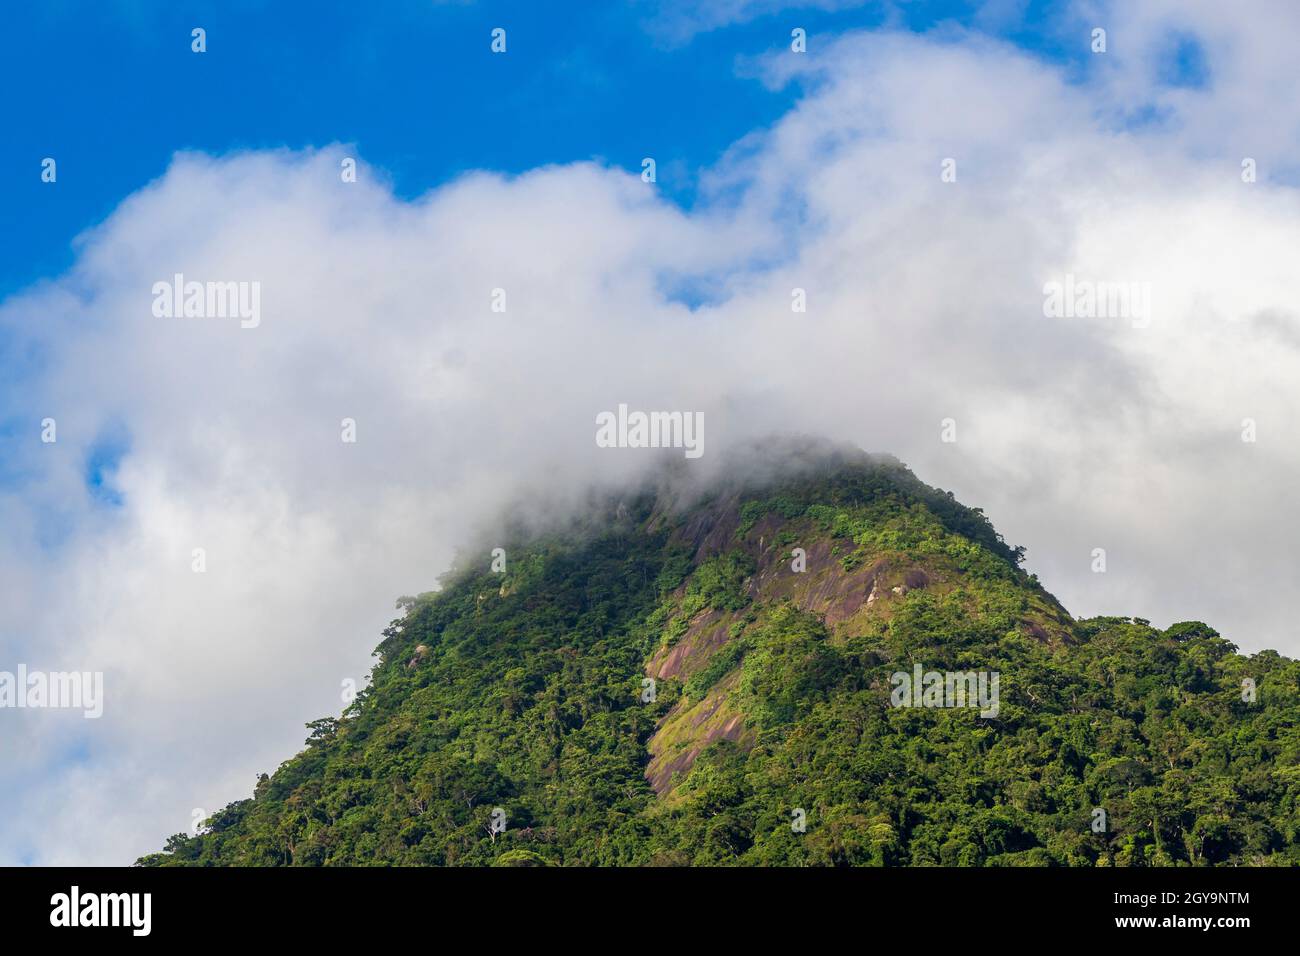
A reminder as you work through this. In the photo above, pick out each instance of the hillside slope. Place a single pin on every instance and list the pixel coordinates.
(714, 683)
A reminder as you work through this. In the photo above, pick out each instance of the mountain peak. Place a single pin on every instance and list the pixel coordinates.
(811, 657)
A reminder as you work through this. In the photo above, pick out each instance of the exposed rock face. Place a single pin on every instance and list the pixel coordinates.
(846, 588)
(710, 530)
(841, 598)
(689, 729)
(706, 634)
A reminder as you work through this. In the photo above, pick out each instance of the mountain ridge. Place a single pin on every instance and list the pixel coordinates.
(670, 682)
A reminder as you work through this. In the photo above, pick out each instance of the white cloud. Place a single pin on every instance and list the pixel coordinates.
(925, 302)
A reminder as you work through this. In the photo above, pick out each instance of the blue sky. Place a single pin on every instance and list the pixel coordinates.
(111, 90)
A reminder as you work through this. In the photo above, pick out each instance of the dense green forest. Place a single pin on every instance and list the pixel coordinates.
(709, 683)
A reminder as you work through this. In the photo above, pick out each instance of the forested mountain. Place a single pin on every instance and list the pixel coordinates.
(715, 680)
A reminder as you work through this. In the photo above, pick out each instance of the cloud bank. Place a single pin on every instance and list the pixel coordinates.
(924, 304)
